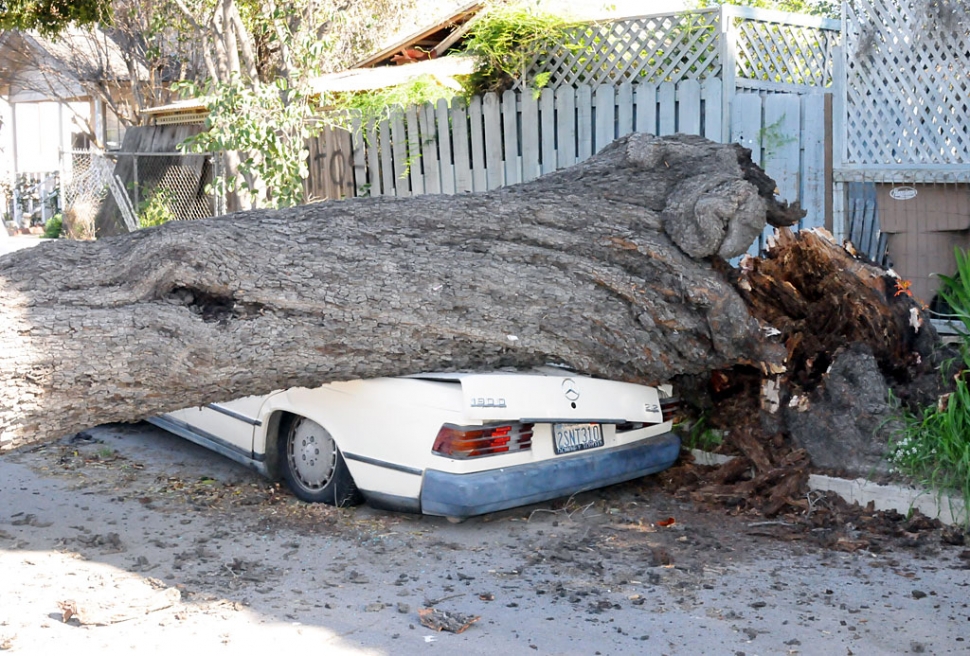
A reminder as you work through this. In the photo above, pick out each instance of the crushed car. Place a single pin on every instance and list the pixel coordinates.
(448, 444)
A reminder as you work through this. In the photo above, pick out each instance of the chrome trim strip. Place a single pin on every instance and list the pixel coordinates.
(380, 463)
(233, 414)
(211, 442)
(571, 420)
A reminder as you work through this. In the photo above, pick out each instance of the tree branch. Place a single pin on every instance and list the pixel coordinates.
(229, 38)
(202, 35)
(245, 43)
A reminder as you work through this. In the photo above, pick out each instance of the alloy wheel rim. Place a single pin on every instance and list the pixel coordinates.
(312, 455)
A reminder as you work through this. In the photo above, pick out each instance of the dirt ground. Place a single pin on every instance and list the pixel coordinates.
(145, 543)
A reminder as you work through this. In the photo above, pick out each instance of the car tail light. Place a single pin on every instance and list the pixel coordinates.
(671, 408)
(463, 442)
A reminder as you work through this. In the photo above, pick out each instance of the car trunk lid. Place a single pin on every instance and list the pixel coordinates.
(557, 398)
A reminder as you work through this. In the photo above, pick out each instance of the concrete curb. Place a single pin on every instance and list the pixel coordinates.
(900, 498)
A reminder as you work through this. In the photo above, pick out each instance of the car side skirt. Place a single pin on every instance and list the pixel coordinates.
(393, 502)
(211, 442)
(463, 495)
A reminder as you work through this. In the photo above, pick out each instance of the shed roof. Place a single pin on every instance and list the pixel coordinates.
(443, 70)
(436, 37)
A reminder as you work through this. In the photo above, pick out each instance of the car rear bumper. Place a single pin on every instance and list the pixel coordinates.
(463, 495)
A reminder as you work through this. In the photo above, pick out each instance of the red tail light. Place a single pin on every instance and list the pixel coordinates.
(671, 408)
(463, 442)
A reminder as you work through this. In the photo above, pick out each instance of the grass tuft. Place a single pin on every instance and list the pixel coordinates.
(934, 446)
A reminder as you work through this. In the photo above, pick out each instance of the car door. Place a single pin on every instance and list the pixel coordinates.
(232, 423)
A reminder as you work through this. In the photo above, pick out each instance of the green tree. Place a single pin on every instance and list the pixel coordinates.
(252, 62)
(261, 59)
(51, 16)
(261, 108)
(124, 54)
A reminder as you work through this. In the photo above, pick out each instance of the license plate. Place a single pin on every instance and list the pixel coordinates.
(567, 438)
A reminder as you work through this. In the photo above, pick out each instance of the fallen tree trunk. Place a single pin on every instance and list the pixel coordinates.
(605, 267)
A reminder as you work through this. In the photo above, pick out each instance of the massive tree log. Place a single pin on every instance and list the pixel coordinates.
(606, 267)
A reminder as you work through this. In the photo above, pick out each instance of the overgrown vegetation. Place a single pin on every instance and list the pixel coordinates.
(699, 434)
(267, 125)
(506, 39)
(934, 448)
(53, 227)
(156, 209)
(51, 16)
(378, 104)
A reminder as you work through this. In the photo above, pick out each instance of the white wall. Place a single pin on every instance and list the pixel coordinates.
(6, 139)
(43, 129)
(6, 158)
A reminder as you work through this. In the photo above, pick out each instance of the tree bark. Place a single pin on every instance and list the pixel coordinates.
(607, 267)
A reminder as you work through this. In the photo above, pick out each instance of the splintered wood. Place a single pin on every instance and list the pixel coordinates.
(821, 297)
(814, 298)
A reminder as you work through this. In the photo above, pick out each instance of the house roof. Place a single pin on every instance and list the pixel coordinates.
(443, 70)
(436, 37)
(55, 65)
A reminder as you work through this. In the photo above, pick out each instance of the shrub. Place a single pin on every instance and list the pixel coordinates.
(156, 210)
(52, 229)
(934, 447)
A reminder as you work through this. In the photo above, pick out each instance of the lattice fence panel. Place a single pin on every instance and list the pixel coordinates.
(652, 49)
(789, 54)
(907, 87)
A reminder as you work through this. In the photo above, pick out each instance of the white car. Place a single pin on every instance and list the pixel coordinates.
(453, 445)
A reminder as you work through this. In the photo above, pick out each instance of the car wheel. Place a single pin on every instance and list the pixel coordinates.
(313, 466)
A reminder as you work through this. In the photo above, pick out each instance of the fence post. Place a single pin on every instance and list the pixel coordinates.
(728, 47)
(839, 132)
(60, 180)
(134, 167)
(15, 199)
(218, 189)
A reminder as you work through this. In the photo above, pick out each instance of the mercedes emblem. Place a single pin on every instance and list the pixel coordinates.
(569, 389)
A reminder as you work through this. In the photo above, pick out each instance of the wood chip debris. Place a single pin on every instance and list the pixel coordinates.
(442, 620)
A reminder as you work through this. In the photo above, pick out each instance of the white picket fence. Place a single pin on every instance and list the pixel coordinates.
(786, 135)
(495, 140)
(731, 74)
(501, 140)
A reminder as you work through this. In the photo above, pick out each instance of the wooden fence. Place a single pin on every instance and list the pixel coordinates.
(731, 74)
(498, 140)
(330, 174)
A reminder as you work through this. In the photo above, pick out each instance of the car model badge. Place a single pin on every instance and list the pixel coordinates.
(481, 402)
(569, 389)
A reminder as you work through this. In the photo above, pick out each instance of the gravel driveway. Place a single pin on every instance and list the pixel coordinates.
(147, 544)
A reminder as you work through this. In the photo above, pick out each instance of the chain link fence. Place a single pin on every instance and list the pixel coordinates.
(29, 199)
(109, 192)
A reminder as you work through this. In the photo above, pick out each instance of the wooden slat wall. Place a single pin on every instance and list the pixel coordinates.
(334, 166)
(497, 140)
(786, 135)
